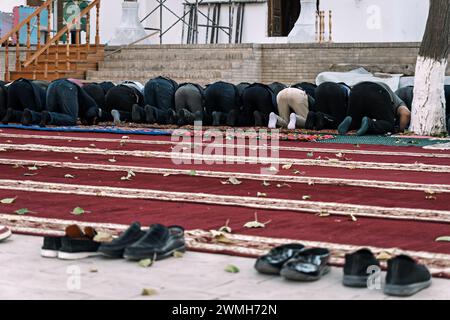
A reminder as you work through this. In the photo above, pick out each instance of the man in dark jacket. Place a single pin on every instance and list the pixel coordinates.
(258, 101)
(66, 101)
(24, 95)
(221, 99)
(159, 100)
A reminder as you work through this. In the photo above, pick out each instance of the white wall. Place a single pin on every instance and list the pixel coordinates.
(353, 20)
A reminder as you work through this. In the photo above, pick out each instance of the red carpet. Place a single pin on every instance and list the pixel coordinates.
(315, 199)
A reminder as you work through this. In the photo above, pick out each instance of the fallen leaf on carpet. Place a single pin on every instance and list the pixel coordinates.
(256, 223)
(145, 263)
(178, 254)
(333, 160)
(8, 200)
(357, 146)
(283, 185)
(443, 239)
(265, 183)
(76, 158)
(261, 194)
(69, 176)
(306, 197)
(103, 237)
(33, 168)
(125, 137)
(310, 183)
(29, 174)
(130, 174)
(220, 237)
(310, 154)
(353, 218)
(166, 174)
(79, 211)
(112, 160)
(8, 141)
(430, 197)
(92, 145)
(148, 292)
(383, 256)
(299, 172)
(319, 158)
(232, 269)
(225, 228)
(323, 214)
(22, 211)
(339, 155)
(234, 181)
(122, 142)
(16, 166)
(273, 169)
(192, 173)
(287, 166)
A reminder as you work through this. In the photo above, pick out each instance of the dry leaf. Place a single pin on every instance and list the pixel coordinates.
(324, 214)
(284, 185)
(265, 183)
(383, 256)
(92, 145)
(145, 263)
(103, 237)
(339, 155)
(310, 154)
(231, 269)
(76, 158)
(27, 174)
(443, 239)
(353, 218)
(148, 292)
(310, 183)
(178, 254)
(261, 194)
(8, 200)
(225, 228)
(299, 172)
(33, 168)
(306, 197)
(287, 166)
(256, 223)
(112, 159)
(166, 174)
(69, 176)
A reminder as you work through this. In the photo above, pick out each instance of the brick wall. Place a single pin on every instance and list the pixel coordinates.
(288, 63)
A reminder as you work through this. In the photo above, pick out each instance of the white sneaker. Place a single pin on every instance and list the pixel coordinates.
(5, 233)
(292, 121)
(272, 121)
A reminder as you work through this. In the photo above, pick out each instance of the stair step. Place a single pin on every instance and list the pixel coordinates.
(39, 75)
(146, 65)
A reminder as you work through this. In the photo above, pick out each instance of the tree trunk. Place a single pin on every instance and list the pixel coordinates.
(428, 107)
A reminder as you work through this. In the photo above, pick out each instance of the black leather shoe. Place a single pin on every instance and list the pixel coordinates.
(406, 277)
(171, 116)
(159, 242)
(232, 118)
(216, 118)
(310, 120)
(307, 265)
(8, 116)
(181, 115)
(356, 268)
(137, 113)
(116, 248)
(27, 117)
(258, 119)
(51, 247)
(272, 262)
(45, 119)
(149, 114)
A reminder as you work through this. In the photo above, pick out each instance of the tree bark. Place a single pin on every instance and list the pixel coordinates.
(428, 107)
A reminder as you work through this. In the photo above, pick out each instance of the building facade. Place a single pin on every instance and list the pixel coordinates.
(268, 21)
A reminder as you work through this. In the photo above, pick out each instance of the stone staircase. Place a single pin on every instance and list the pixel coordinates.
(201, 64)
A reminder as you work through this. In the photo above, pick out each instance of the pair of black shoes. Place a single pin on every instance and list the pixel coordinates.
(156, 243)
(404, 277)
(295, 262)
